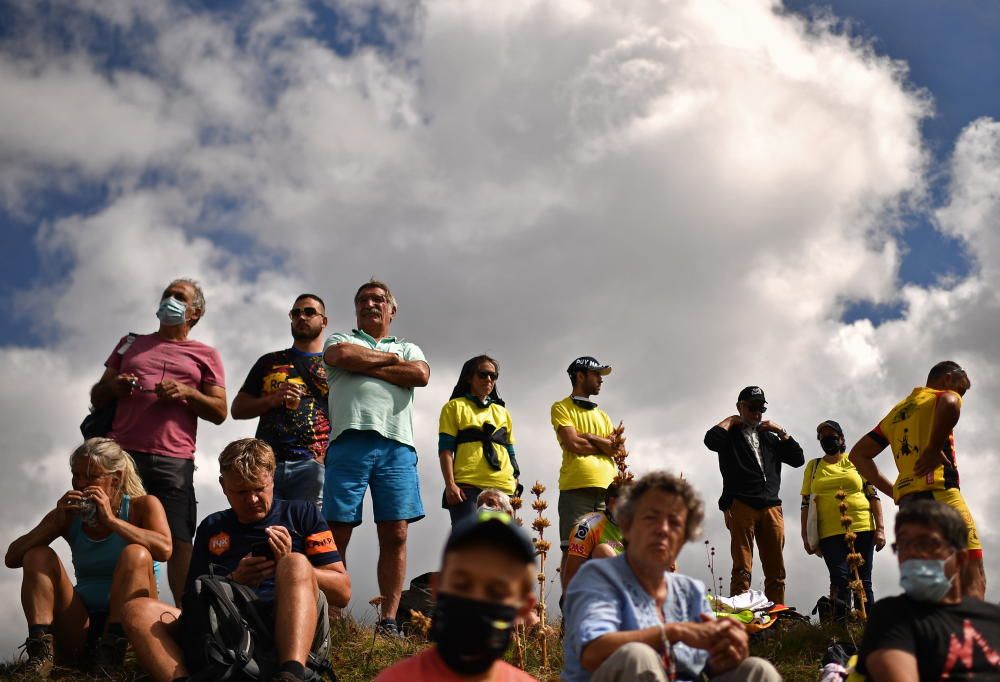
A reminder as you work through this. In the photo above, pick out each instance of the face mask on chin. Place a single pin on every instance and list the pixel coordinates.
(172, 312)
(924, 579)
(471, 634)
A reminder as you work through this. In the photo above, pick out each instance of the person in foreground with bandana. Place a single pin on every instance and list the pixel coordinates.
(931, 632)
(629, 618)
(485, 586)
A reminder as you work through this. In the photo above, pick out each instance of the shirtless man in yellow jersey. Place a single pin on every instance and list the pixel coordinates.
(920, 431)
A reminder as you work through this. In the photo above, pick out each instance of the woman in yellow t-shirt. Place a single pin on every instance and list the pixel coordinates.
(475, 439)
(822, 479)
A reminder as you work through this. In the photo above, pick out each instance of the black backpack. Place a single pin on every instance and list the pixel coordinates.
(227, 634)
(98, 422)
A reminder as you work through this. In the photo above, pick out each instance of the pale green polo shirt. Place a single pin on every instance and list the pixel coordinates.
(366, 404)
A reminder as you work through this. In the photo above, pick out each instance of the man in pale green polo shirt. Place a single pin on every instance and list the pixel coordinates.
(371, 377)
(584, 432)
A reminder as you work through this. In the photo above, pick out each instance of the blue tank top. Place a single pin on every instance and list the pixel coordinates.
(94, 560)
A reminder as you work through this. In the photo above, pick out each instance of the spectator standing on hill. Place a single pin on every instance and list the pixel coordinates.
(164, 383)
(287, 389)
(486, 586)
(584, 432)
(931, 632)
(920, 430)
(595, 536)
(302, 573)
(630, 618)
(751, 451)
(475, 439)
(372, 376)
(822, 480)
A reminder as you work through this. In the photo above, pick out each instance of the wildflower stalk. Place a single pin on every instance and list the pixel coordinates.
(854, 558)
(620, 454)
(542, 546)
(520, 629)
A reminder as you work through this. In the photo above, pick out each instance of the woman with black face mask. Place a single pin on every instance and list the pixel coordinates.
(822, 479)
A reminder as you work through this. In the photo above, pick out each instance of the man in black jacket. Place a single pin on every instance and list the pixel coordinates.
(751, 452)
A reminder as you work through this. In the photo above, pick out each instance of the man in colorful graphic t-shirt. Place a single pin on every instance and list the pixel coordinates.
(288, 390)
(920, 431)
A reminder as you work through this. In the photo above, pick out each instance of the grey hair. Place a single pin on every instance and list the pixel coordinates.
(110, 458)
(500, 495)
(934, 514)
(377, 284)
(199, 296)
(668, 483)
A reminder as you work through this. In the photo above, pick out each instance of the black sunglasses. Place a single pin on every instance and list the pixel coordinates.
(304, 312)
(487, 375)
(756, 407)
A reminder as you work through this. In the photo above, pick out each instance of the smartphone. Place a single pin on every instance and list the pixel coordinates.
(263, 549)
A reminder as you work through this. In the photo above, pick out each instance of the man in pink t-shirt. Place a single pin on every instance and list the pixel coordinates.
(486, 584)
(164, 382)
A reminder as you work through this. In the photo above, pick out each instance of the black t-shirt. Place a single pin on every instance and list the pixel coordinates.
(222, 540)
(292, 434)
(950, 641)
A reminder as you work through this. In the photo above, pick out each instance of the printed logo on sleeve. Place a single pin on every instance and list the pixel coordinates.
(320, 543)
(218, 544)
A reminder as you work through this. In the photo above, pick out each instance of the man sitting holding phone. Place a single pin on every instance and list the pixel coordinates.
(282, 549)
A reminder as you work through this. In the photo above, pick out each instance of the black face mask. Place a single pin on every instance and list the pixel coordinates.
(471, 634)
(584, 403)
(830, 445)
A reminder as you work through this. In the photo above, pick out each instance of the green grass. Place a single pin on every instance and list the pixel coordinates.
(358, 655)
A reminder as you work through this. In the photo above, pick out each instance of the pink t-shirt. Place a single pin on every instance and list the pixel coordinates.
(427, 666)
(143, 422)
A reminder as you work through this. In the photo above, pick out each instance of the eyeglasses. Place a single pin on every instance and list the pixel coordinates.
(756, 407)
(304, 312)
(493, 376)
(377, 299)
(920, 546)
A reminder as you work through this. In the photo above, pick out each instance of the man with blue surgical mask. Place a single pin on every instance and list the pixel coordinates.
(931, 632)
(164, 383)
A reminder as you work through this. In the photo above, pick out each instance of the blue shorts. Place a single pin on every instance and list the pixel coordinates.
(358, 459)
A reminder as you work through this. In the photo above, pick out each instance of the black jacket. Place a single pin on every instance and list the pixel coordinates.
(742, 478)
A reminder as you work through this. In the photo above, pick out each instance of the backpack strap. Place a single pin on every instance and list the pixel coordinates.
(224, 663)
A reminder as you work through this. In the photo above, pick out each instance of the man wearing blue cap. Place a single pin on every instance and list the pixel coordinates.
(751, 451)
(584, 432)
(485, 586)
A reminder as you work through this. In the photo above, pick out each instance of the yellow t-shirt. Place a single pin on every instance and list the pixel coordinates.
(471, 468)
(828, 479)
(583, 471)
(907, 428)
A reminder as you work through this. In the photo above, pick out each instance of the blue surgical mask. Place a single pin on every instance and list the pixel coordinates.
(171, 311)
(924, 579)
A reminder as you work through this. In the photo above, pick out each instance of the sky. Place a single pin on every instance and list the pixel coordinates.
(703, 194)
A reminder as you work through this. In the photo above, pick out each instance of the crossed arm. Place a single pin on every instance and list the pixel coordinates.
(377, 364)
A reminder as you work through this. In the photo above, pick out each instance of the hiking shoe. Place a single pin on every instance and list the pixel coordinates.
(389, 628)
(41, 656)
(109, 657)
(285, 677)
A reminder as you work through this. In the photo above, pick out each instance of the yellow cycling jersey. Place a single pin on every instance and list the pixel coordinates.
(907, 428)
(471, 467)
(583, 471)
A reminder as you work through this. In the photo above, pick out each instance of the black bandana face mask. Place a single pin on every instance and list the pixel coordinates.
(830, 444)
(471, 634)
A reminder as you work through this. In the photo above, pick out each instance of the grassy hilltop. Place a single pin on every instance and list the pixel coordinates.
(358, 655)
